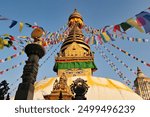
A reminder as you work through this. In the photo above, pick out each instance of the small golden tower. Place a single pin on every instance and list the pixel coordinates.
(61, 91)
(75, 57)
(142, 84)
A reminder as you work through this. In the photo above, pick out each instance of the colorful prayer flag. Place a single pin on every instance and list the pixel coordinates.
(1, 43)
(112, 39)
(125, 26)
(103, 38)
(29, 25)
(116, 28)
(133, 23)
(107, 38)
(99, 39)
(21, 24)
(143, 18)
(13, 23)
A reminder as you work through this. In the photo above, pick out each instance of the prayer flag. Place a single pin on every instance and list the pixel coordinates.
(107, 38)
(140, 21)
(116, 27)
(13, 23)
(100, 39)
(105, 41)
(21, 26)
(143, 18)
(112, 39)
(125, 26)
(133, 23)
(29, 25)
(1, 43)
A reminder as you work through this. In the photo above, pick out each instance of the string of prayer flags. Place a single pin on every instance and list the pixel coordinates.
(6, 43)
(21, 24)
(132, 39)
(3, 18)
(130, 55)
(117, 58)
(140, 21)
(50, 54)
(11, 57)
(13, 67)
(114, 68)
(8, 36)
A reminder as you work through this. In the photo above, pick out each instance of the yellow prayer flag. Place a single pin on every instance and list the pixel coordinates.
(126, 53)
(9, 58)
(24, 37)
(21, 24)
(22, 52)
(5, 42)
(133, 23)
(1, 43)
(107, 38)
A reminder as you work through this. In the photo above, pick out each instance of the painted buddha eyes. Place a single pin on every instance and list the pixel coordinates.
(78, 71)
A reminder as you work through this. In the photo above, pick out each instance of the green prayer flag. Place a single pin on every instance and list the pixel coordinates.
(125, 26)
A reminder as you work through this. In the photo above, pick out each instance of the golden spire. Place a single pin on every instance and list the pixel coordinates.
(75, 19)
(75, 14)
(75, 24)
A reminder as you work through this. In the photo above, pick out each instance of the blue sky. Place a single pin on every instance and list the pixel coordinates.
(53, 14)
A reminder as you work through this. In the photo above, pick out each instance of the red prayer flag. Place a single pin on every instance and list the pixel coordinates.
(148, 64)
(12, 38)
(100, 39)
(116, 27)
(14, 47)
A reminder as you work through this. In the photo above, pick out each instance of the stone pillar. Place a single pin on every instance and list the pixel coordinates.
(26, 88)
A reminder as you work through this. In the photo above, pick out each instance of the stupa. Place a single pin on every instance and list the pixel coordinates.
(74, 65)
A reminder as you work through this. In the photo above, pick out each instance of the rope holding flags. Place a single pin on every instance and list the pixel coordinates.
(132, 39)
(114, 68)
(12, 56)
(125, 65)
(21, 63)
(13, 67)
(50, 55)
(130, 55)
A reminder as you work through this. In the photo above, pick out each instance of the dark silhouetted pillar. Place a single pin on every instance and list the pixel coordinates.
(26, 88)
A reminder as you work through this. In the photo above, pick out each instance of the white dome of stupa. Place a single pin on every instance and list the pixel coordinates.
(99, 88)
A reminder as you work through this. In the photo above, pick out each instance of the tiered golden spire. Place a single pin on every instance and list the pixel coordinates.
(75, 24)
(75, 14)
